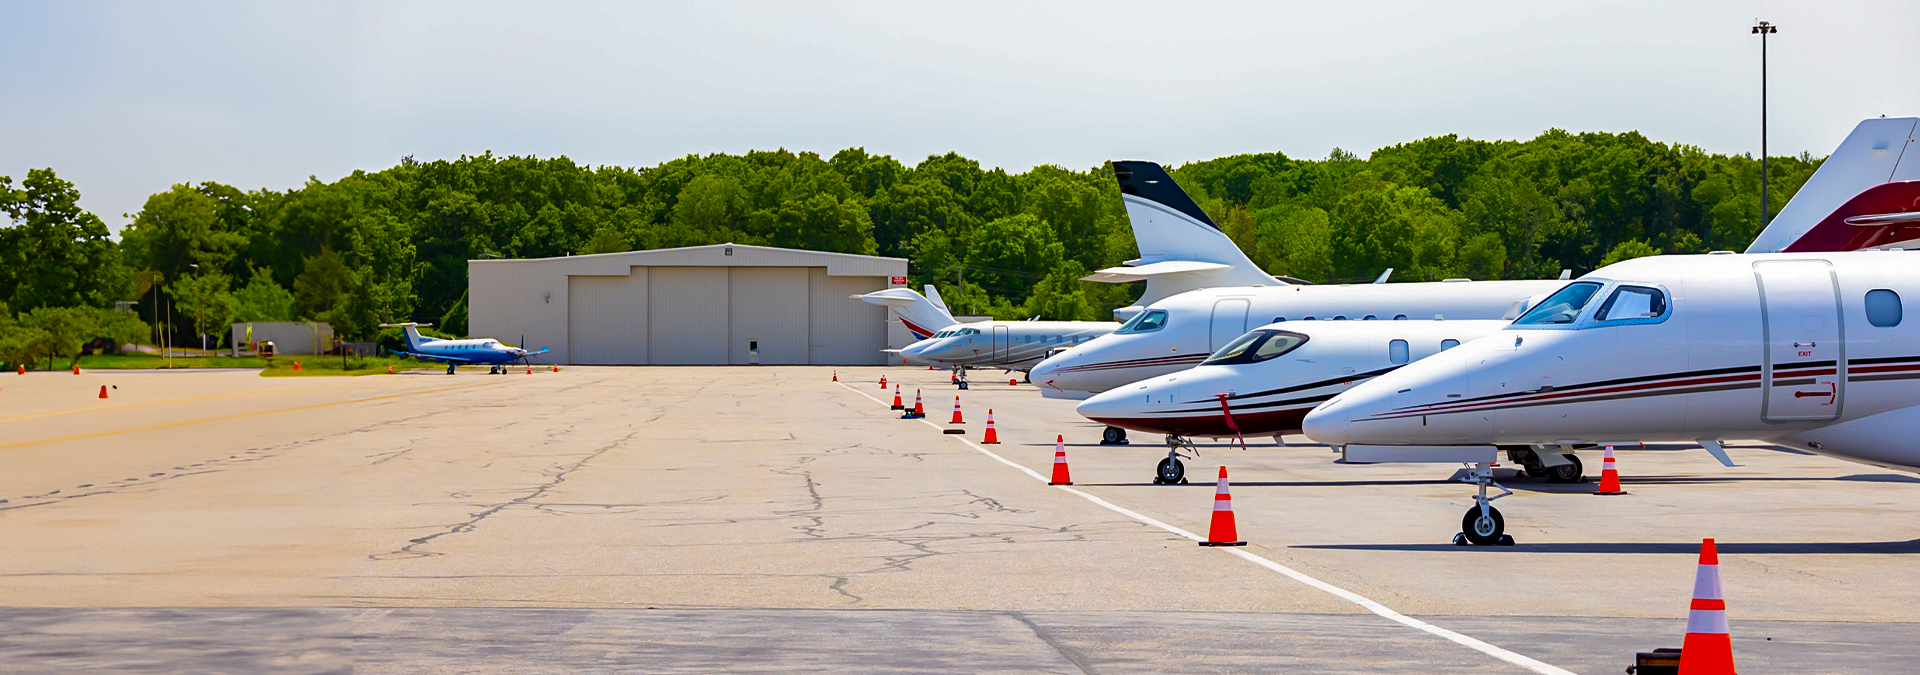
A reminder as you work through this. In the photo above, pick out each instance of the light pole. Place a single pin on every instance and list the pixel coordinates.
(1763, 29)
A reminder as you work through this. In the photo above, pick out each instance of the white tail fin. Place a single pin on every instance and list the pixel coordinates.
(1169, 227)
(921, 316)
(933, 296)
(1880, 150)
(414, 338)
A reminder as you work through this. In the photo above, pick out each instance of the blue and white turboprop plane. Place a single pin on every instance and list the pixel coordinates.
(455, 353)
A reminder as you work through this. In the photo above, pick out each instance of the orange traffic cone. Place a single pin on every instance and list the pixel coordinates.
(23, 370)
(896, 398)
(1060, 474)
(529, 370)
(883, 382)
(389, 369)
(836, 376)
(1609, 476)
(956, 412)
(103, 391)
(1709, 647)
(992, 437)
(76, 369)
(918, 410)
(296, 366)
(1222, 532)
(556, 367)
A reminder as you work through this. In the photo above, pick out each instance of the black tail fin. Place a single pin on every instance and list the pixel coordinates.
(1147, 180)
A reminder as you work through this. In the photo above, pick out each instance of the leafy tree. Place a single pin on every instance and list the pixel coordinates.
(263, 300)
(60, 332)
(1628, 250)
(53, 254)
(207, 299)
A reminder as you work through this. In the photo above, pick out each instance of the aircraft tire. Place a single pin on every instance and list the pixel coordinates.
(1483, 532)
(1568, 473)
(1113, 436)
(1171, 471)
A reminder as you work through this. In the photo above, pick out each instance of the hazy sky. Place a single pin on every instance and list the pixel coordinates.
(128, 98)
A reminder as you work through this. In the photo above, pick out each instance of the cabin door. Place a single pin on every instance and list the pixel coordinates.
(1804, 352)
(1229, 322)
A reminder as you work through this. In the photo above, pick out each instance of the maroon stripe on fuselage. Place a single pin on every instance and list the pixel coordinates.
(1437, 409)
(1262, 423)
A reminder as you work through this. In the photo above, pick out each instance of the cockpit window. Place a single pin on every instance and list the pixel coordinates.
(1145, 322)
(1633, 302)
(1255, 347)
(1563, 307)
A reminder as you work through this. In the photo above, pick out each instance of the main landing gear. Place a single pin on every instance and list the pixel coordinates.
(1529, 458)
(1171, 471)
(1482, 525)
(960, 377)
(1113, 436)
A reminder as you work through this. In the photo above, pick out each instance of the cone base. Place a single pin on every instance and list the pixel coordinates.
(1609, 494)
(898, 407)
(1223, 543)
(989, 442)
(953, 431)
(1065, 483)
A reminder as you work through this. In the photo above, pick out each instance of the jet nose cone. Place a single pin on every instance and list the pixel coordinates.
(1327, 423)
(1109, 406)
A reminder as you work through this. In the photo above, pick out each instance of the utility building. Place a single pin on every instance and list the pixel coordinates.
(700, 305)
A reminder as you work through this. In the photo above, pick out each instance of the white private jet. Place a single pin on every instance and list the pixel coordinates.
(1264, 382)
(1807, 350)
(1009, 345)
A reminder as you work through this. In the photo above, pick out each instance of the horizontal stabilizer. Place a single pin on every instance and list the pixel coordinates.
(1121, 275)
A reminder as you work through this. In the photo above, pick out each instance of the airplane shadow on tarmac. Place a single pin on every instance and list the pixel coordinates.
(1911, 546)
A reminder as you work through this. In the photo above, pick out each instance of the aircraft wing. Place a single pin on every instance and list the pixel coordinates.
(543, 350)
(434, 357)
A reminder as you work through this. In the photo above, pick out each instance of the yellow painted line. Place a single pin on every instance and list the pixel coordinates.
(170, 425)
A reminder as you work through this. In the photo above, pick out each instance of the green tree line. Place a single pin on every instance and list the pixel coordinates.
(393, 244)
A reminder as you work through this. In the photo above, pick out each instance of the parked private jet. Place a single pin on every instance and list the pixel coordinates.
(475, 351)
(1264, 382)
(1806, 350)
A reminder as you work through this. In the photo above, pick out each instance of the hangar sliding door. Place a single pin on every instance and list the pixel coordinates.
(687, 315)
(768, 309)
(845, 331)
(607, 319)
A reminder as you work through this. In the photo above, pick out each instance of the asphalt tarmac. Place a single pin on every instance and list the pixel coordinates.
(770, 520)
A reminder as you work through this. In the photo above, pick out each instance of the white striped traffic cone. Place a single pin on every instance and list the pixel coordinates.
(1709, 646)
(1221, 532)
(1060, 474)
(992, 436)
(1609, 476)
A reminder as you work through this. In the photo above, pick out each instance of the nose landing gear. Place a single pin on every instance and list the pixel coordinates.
(1171, 471)
(1113, 436)
(1483, 525)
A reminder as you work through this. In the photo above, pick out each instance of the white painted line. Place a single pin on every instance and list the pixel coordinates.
(1291, 573)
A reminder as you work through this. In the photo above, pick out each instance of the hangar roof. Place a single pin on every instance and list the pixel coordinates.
(716, 255)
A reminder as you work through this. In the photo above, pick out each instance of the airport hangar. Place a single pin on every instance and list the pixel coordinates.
(699, 305)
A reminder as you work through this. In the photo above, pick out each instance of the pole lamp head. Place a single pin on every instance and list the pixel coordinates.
(1764, 28)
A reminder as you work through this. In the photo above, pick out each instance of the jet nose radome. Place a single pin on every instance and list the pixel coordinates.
(1127, 407)
(1327, 423)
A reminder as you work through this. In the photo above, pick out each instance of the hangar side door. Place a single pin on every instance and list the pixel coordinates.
(1229, 322)
(1803, 365)
(1001, 342)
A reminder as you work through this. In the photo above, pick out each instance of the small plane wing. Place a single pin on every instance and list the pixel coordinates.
(434, 357)
(543, 350)
(1121, 275)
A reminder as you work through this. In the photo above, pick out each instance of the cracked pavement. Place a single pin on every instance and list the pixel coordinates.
(766, 520)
